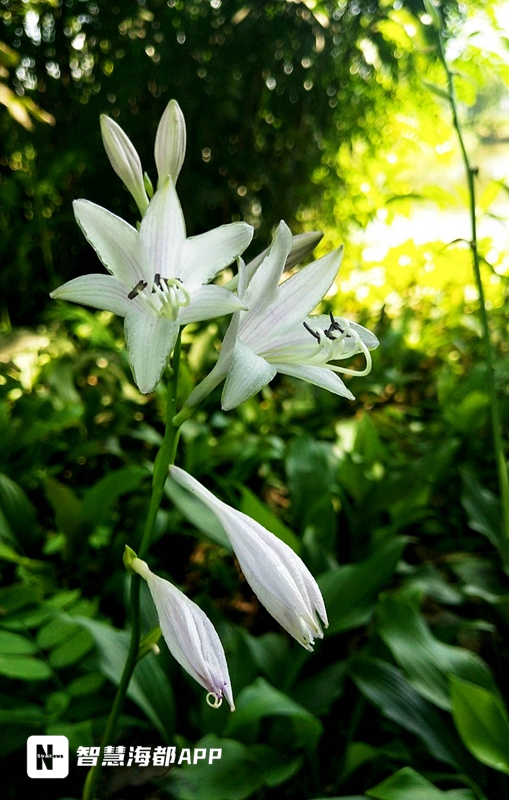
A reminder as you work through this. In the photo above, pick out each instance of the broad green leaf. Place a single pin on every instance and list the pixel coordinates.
(407, 784)
(13, 643)
(198, 514)
(255, 509)
(482, 722)
(149, 687)
(426, 661)
(483, 509)
(350, 592)
(18, 510)
(237, 775)
(24, 668)
(99, 500)
(67, 507)
(388, 690)
(261, 700)
(310, 466)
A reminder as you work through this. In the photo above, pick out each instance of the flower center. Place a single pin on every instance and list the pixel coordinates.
(333, 342)
(167, 296)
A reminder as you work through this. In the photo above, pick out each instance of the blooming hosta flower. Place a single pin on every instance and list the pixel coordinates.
(190, 636)
(158, 277)
(275, 333)
(277, 575)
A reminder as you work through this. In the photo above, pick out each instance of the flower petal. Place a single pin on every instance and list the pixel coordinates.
(263, 286)
(205, 255)
(303, 245)
(274, 571)
(170, 146)
(248, 374)
(319, 376)
(220, 369)
(162, 233)
(150, 341)
(125, 160)
(208, 302)
(189, 634)
(98, 291)
(298, 295)
(116, 243)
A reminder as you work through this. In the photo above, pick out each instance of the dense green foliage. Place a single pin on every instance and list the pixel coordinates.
(391, 500)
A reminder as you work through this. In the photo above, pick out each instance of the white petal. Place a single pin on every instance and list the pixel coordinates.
(320, 376)
(124, 159)
(262, 289)
(298, 295)
(220, 370)
(274, 571)
(205, 255)
(303, 245)
(162, 233)
(209, 302)
(116, 243)
(170, 147)
(149, 341)
(98, 291)
(248, 374)
(189, 634)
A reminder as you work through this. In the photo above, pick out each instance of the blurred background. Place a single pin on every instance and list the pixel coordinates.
(332, 116)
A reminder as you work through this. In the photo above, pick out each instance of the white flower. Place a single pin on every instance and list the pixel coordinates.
(190, 636)
(158, 276)
(277, 575)
(169, 152)
(275, 333)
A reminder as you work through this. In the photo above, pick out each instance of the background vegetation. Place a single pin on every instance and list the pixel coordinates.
(320, 113)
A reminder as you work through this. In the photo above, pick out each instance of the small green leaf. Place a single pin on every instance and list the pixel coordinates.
(482, 722)
(72, 650)
(24, 668)
(13, 643)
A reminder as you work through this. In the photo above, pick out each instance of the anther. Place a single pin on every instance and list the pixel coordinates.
(140, 286)
(312, 332)
(335, 326)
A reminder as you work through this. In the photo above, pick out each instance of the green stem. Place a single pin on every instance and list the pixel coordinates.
(164, 458)
(471, 173)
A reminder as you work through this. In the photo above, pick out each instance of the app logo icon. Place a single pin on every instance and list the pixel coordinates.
(47, 756)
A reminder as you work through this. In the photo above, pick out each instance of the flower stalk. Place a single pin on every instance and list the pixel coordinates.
(471, 173)
(164, 459)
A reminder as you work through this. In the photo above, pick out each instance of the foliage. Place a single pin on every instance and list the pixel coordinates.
(391, 501)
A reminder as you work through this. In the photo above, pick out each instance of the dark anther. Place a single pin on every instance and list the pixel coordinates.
(329, 334)
(312, 332)
(140, 286)
(334, 326)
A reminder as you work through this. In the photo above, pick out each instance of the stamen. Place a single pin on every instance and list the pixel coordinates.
(140, 286)
(312, 332)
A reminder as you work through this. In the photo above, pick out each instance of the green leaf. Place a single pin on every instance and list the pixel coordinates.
(407, 784)
(388, 690)
(255, 509)
(67, 507)
(149, 687)
(437, 90)
(350, 592)
(13, 643)
(100, 499)
(24, 668)
(261, 700)
(85, 684)
(55, 632)
(483, 509)
(237, 775)
(310, 466)
(18, 510)
(426, 661)
(482, 722)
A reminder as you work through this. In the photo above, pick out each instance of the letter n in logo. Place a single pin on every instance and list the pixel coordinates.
(47, 756)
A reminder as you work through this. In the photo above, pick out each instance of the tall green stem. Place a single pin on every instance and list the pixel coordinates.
(164, 458)
(471, 173)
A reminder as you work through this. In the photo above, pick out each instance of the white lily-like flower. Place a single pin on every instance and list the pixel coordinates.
(276, 574)
(169, 152)
(276, 334)
(190, 636)
(158, 276)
